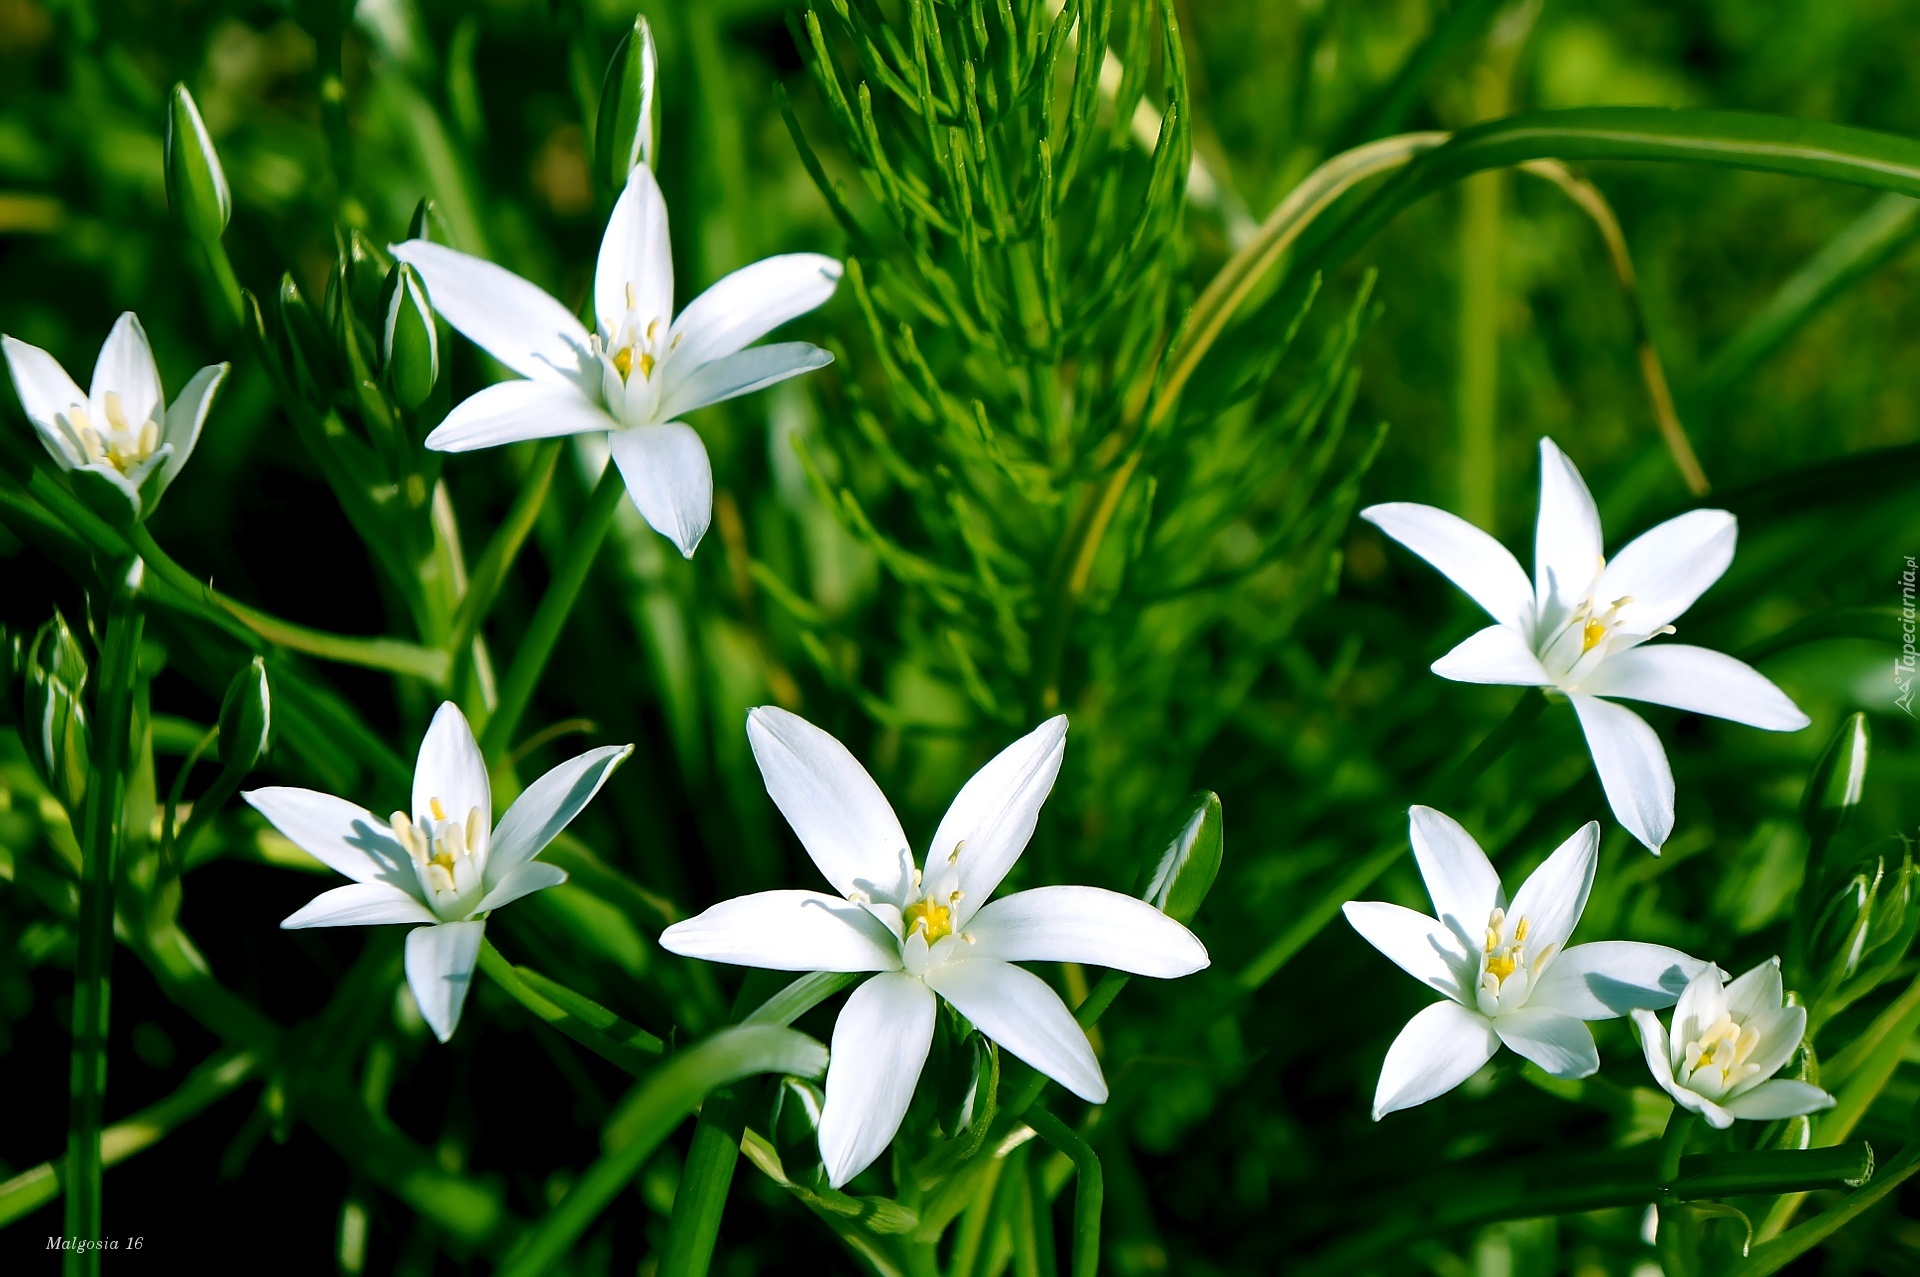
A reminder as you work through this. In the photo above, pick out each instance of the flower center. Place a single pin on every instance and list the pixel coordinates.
(1507, 967)
(932, 919)
(120, 444)
(1717, 1060)
(446, 853)
(636, 345)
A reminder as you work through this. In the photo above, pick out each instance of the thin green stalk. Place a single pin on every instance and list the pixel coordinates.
(530, 660)
(101, 831)
(701, 1199)
(1088, 1190)
(1770, 1257)
(225, 283)
(1673, 1142)
(583, 1020)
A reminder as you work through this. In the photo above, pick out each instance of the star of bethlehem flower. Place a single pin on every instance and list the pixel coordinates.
(926, 929)
(1505, 968)
(444, 864)
(641, 368)
(1728, 1041)
(1579, 628)
(121, 431)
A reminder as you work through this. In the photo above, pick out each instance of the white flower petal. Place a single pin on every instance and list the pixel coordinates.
(1567, 549)
(1633, 768)
(1781, 1031)
(186, 415)
(1426, 950)
(345, 838)
(46, 393)
(1085, 924)
(880, 1045)
(1439, 1049)
(1021, 1012)
(635, 270)
(1493, 655)
(1758, 990)
(359, 904)
(126, 369)
(750, 303)
(440, 970)
(547, 806)
(1664, 569)
(1696, 679)
(450, 769)
(993, 815)
(1465, 555)
(787, 931)
(523, 880)
(669, 478)
(1654, 1045)
(1558, 1043)
(511, 411)
(1781, 1097)
(1612, 977)
(740, 373)
(516, 322)
(1701, 1003)
(835, 809)
(1459, 877)
(1555, 895)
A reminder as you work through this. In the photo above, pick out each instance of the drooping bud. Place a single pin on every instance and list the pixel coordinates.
(53, 711)
(196, 185)
(246, 718)
(1191, 860)
(410, 346)
(625, 133)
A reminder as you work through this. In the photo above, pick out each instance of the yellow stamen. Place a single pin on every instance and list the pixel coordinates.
(1590, 636)
(930, 919)
(439, 812)
(623, 362)
(646, 364)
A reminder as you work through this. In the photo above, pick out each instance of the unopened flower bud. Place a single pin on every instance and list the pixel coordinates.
(624, 134)
(304, 344)
(410, 347)
(1191, 860)
(246, 718)
(196, 185)
(53, 712)
(1833, 789)
(1869, 919)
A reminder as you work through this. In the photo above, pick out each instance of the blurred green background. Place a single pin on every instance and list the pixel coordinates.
(1238, 1140)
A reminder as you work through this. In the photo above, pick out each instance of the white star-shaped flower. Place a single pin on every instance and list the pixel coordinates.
(642, 367)
(1581, 627)
(444, 864)
(1505, 968)
(926, 930)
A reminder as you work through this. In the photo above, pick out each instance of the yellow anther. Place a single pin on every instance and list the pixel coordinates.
(653, 326)
(623, 362)
(953, 857)
(630, 302)
(1502, 966)
(931, 920)
(439, 812)
(1520, 931)
(646, 364)
(1591, 636)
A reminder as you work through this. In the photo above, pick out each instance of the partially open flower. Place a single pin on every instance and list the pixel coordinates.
(1728, 1041)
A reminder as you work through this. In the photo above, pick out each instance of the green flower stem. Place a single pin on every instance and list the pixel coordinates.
(226, 284)
(583, 1020)
(1673, 1142)
(100, 839)
(213, 1080)
(701, 1198)
(1088, 1191)
(1770, 1257)
(516, 691)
